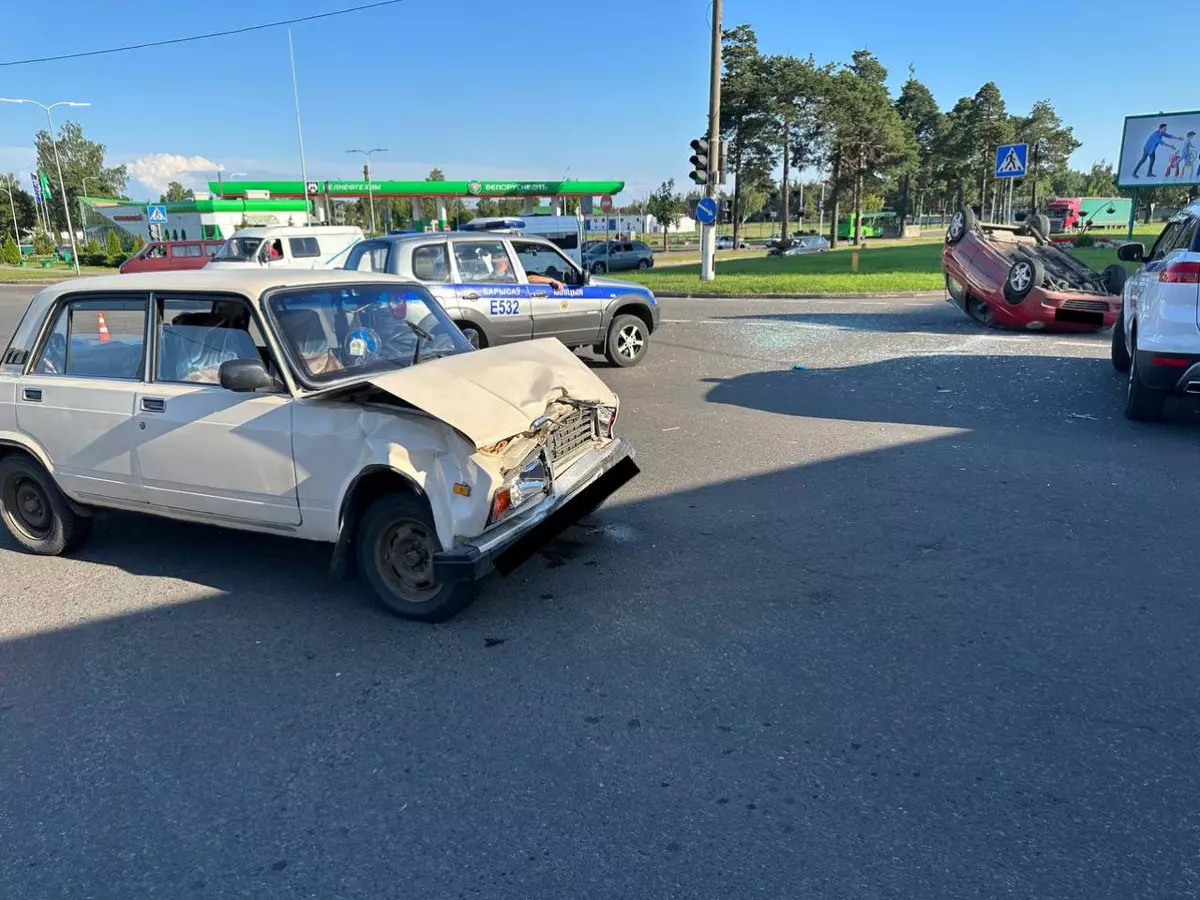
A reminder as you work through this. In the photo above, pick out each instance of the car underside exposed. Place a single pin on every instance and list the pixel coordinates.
(1062, 271)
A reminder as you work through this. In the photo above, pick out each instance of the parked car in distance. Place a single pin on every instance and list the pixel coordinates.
(338, 407)
(725, 242)
(616, 256)
(1013, 276)
(497, 288)
(1155, 341)
(806, 243)
(163, 256)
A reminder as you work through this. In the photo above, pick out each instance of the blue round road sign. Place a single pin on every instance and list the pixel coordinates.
(706, 211)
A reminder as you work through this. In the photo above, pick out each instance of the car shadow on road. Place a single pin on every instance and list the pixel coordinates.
(1018, 393)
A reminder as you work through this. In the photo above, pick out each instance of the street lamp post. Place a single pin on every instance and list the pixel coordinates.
(370, 193)
(58, 164)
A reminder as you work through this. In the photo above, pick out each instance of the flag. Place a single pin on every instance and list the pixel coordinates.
(45, 185)
(37, 189)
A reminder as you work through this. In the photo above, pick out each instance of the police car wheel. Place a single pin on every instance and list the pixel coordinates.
(473, 334)
(627, 341)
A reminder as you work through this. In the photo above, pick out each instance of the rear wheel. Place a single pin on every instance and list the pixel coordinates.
(1039, 224)
(1142, 404)
(36, 513)
(472, 334)
(396, 544)
(961, 222)
(1114, 279)
(1120, 354)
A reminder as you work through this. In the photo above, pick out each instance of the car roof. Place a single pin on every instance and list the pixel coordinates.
(455, 236)
(252, 283)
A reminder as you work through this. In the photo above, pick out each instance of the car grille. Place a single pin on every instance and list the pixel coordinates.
(1099, 306)
(571, 437)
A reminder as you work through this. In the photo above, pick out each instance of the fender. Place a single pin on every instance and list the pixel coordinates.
(351, 506)
(22, 442)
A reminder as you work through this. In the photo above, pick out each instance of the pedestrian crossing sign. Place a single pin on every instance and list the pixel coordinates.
(156, 214)
(1010, 160)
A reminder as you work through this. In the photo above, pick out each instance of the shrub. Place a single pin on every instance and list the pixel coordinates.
(138, 243)
(1085, 240)
(112, 243)
(42, 243)
(11, 253)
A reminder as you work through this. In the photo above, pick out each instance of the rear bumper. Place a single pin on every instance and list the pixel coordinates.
(1169, 371)
(583, 487)
(1043, 310)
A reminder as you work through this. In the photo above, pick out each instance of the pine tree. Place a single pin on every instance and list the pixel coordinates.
(112, 246)
(11, 254)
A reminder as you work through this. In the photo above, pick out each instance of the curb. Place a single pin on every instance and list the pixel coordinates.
(883, 295)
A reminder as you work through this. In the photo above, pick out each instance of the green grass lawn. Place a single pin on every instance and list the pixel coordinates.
(56, 273)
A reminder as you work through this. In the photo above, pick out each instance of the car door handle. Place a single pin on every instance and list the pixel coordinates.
(31, 395)
(154, 404)
(538, 294)
(471, 296)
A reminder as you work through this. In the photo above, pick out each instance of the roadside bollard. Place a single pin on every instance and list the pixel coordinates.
(853, 260)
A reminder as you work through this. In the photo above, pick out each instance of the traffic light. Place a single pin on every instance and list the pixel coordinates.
(700, 161)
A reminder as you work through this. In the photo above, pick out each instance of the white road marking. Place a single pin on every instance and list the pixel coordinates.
(676, 321)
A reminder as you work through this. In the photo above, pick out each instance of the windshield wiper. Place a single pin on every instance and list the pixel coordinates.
(422, 335)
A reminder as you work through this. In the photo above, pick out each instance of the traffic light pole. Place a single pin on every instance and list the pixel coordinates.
(708, 248)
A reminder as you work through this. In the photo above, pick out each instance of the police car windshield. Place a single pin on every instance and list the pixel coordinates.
(337, 332)
(243, 249)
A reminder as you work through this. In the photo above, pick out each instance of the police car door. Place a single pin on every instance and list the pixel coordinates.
(568, 314)
(489, 291)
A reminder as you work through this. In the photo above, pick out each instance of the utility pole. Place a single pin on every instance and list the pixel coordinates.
(367, 176)
(13, 207)
(712, 186)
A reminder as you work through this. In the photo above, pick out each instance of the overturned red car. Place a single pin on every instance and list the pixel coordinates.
(1012, 276)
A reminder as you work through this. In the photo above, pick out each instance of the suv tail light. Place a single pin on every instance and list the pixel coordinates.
(1181, 273)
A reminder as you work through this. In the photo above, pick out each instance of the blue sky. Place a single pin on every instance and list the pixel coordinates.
(528, 88)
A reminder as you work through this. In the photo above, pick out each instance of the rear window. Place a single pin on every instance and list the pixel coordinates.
(303, 247)
(185, 250)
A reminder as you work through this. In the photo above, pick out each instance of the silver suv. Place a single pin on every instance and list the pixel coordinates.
(613, 256)
(503, 288)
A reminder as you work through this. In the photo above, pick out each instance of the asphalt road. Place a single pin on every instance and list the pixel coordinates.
(915, 621)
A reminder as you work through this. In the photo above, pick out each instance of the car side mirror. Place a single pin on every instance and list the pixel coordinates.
(1131, 252)
(246, 376)
(585, 276)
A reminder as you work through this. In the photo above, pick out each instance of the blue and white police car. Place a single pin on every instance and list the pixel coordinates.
(502, 288)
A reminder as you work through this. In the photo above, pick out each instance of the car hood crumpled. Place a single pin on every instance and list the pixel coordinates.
(491, 395)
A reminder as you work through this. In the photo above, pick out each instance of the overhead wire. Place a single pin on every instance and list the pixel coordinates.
(199, 37)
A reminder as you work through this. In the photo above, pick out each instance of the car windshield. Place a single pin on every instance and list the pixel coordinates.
(1057, 212)
(333, 332)
(243, 249)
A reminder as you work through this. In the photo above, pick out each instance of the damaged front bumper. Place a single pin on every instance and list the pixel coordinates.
(589, 482)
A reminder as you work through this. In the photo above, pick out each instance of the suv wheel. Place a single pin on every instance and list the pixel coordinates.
(1142, 404)
(36, 513)
(396, 542)
(643, 264)
(599, 268)
(627, 341)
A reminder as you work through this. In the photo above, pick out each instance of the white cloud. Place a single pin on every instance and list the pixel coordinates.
(157, 170)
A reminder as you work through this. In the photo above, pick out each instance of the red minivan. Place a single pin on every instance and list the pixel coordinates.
(159, 256)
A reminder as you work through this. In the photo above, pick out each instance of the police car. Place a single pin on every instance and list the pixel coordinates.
(502, 288)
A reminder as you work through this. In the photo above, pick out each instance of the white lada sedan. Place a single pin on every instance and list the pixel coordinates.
(328, 406)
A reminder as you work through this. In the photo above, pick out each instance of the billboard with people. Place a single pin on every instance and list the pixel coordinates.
(1159, 149)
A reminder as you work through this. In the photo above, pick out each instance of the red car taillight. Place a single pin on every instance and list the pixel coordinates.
(1181, 273)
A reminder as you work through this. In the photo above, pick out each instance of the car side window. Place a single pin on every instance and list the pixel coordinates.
(96, 339)
(1165, 242)
(484, 261)
(430, 263)
(538, 259)
(304, 247)
(1185, 235)
(195, 335)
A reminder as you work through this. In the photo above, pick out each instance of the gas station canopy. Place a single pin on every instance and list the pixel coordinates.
(464, 189)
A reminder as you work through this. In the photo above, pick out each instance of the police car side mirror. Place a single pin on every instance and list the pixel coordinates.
(585, 276)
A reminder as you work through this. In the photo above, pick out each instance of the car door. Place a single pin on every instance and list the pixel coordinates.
(1174, 242)
(203, 449)
(486, 283)
(430, 265)
(566, 313)
(78, 394)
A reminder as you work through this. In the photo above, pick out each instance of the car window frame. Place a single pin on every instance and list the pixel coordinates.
(151, 363)
(545, 246)
(50, 319)
(365, 247)
(291, 246)
(512, 261)
(1160, 247)
(1186, 238)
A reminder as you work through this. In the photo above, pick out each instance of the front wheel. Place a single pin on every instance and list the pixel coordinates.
(643, 264)
(627, 341)
(396, 543)
(1120, 354)
(36, 513)
(599, 268)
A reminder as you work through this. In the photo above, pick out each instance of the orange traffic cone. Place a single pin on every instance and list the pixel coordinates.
(102, 327)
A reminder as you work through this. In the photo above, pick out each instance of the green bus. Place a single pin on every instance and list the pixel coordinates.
(873, 224)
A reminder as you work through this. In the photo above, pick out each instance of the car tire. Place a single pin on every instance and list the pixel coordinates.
(628, 339)
(1120, 355)
(961, 223)
(643, 264)
(1114, 279)
(1142, 404)
(599, 268)
(396, 540)
(1039, 224)
(36, 513)
(1023, 276)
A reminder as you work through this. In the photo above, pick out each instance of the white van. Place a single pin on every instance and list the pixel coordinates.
(565, 232)
(287, 247)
